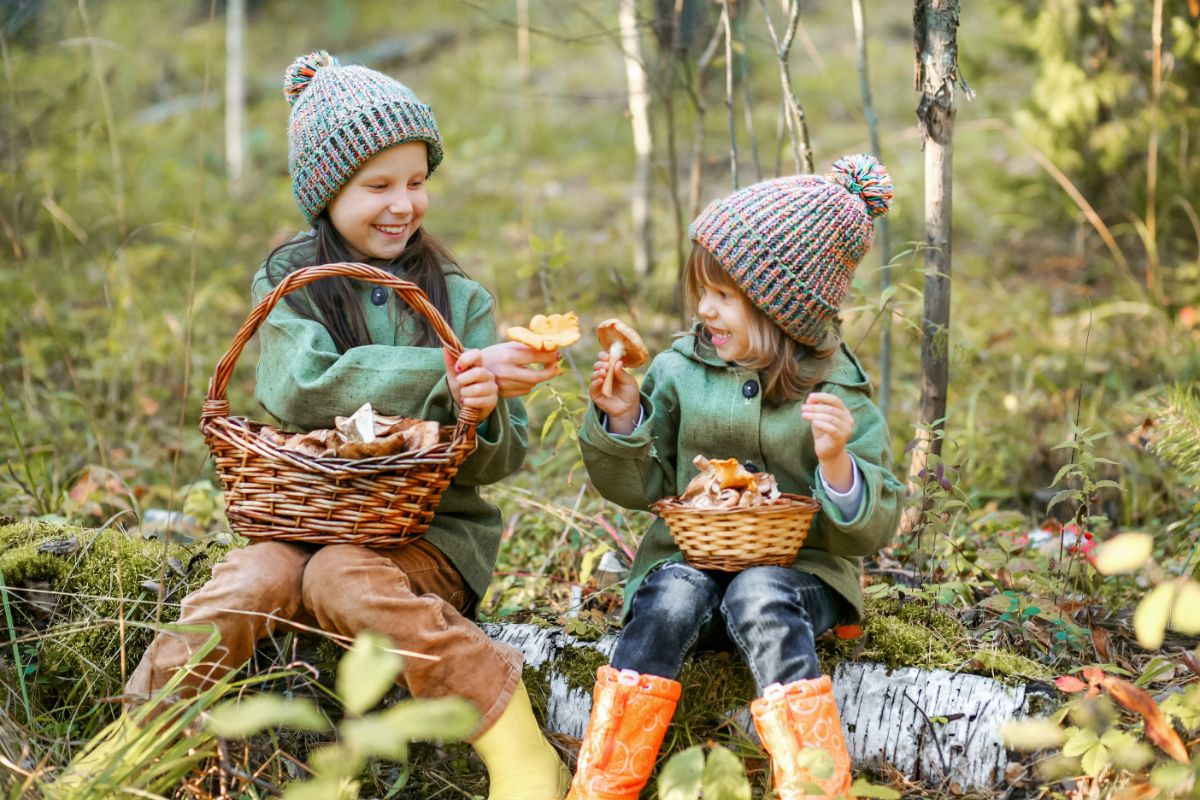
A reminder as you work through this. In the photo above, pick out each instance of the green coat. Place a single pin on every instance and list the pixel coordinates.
(693, 404)
(304, 383)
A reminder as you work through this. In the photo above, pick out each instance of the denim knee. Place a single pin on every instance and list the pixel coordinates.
(666, 615)
(773, 614)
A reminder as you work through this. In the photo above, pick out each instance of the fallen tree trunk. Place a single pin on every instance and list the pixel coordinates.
(941, 728)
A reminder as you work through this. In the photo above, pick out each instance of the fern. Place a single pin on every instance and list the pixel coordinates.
(1177, 434)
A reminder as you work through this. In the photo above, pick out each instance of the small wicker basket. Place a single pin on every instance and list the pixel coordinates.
(733, 539)
(275, 493)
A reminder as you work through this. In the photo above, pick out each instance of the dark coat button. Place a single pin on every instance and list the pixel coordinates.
(379, 295)
(750, 388)
(751, 467)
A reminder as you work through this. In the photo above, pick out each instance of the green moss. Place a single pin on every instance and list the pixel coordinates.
(578, 665)
(76, 658)
(904, 644)
(23, 565)
(1007, 664)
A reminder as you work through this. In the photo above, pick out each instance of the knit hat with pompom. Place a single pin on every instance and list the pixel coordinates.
(792, 244)
(341, 116)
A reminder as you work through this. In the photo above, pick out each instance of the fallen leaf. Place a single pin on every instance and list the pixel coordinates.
(1139, 701)
(1191, 660)
(1100, 642)
(1069, 683)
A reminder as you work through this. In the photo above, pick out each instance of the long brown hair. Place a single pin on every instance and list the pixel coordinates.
(790, 370)
(334, 302)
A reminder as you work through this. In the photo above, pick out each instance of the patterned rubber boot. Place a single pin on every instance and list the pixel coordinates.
(799, 715)
(630, 715)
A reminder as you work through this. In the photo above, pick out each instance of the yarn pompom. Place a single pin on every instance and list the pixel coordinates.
(862, 175)
(297, 77)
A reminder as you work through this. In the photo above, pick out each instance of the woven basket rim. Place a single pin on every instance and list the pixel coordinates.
(796, 503)
(431, 455)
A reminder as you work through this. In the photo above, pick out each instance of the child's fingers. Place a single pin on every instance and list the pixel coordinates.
(469, 359)
(827, 427)
(825, 398)
(474, 376)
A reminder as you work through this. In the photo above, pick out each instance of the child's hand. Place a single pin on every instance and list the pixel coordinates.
(509, 362)
(832, 425)
(623, 406)
(472, 384)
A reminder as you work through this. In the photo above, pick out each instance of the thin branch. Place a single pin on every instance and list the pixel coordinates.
(796, 123)
(728, 18)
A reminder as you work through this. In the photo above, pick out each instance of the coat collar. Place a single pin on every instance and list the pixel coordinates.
(846, 369)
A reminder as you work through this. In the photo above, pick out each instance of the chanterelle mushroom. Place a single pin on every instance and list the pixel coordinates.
(622, 342)
(548, 333)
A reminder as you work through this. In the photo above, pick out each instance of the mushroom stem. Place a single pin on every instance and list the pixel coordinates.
(614, 355)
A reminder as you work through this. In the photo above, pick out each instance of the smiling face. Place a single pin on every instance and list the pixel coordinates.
(383, 203)
(726, 317)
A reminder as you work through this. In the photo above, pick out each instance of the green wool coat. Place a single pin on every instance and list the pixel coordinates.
(694, 404)
(304, 383)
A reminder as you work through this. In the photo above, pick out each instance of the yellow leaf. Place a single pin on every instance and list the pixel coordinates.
(1150, 619)
(1125, 552)
(1185, 618)
(1032, 734)
(590, 560)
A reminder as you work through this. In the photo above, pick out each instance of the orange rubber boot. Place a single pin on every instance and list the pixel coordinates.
(799, 715)
(630, 715)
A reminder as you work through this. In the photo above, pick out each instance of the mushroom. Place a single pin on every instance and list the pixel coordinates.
(622, 343)
(548, 333)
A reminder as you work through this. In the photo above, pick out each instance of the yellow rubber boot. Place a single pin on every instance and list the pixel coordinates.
(521, 764)
(796, 716)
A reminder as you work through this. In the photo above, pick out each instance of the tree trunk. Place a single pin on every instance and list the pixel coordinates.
(934, 726)
(235, 93)
(639, 114)
(935, 24)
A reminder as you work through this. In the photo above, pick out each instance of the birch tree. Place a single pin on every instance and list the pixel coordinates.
(935, 42)
(639, 116)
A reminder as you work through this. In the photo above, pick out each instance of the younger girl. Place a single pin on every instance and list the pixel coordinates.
(361, 148)
(764, 377)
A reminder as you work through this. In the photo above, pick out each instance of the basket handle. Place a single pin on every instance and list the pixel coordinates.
(216, 403)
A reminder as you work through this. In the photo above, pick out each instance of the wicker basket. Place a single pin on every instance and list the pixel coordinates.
(732, 539)
(275, 493)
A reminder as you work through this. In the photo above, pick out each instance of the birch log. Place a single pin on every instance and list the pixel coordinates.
(934, 726)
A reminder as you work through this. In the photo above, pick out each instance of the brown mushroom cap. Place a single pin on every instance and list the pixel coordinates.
(612, 331)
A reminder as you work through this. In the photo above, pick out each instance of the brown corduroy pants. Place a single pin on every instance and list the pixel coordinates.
(411, 594)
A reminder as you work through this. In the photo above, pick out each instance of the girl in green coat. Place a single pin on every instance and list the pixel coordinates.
(361, 149)
(764, 378)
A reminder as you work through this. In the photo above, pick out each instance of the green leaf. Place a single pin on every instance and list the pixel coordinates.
(682, 775)
(367, 672)
(1170, 777)
(549, 422)
(238, 719)
(724, 776)
(1079, 741)
(864, 788)
(337, 788)
(1095, 760)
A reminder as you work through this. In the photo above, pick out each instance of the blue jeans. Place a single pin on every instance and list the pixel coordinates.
(772, 615)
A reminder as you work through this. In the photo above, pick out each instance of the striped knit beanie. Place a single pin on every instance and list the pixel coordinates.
(792, 244)
(341, 116)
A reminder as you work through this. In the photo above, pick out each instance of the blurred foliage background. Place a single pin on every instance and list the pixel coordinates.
(126, 253)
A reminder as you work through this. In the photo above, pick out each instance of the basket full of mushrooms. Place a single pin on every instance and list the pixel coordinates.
(729, 518)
